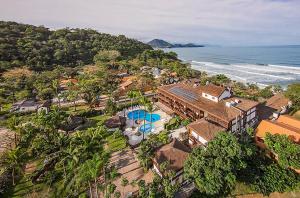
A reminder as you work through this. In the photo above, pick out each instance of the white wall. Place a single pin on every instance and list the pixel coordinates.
(199, 138)
(210, 97)
(225, 94)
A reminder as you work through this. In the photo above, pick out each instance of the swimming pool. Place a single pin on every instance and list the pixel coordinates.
(141, 114)
(146, 128)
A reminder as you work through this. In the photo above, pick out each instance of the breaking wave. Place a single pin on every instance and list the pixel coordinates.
(260, 74)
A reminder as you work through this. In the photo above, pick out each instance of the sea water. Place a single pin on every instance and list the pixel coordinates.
(261, 65)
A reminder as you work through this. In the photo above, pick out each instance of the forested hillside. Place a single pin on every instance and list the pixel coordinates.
(40, 48)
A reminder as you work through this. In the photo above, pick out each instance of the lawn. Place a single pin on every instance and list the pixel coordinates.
(297, 115)
(99, 118)
(242, 189)
(70, 110)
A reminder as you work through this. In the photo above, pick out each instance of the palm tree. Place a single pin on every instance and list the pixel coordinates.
(72, 93)
(13, 123)
(14, 161)
(132, 95)
(150, 109)
(144, 101)
(55, 86)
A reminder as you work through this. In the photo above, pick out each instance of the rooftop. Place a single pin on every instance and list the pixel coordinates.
(193, 96)
(213, 90)
(115, 122)
(285, 124)
(175, 153)
(273, 104)
(206, 129)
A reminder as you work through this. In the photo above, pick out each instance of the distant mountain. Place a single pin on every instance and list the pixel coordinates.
(158, 43)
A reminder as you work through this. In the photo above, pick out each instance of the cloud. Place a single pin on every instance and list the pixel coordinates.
(229, 22)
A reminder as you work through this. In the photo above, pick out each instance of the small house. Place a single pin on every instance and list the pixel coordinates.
(30, 106)
(175, 154)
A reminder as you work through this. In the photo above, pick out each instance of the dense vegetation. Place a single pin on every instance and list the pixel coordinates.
(40, 48)
(226, 161)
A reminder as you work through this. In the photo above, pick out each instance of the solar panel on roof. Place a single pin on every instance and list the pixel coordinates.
(184, 93)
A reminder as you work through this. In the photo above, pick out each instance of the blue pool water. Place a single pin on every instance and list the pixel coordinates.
(141, 114)
(146, 128)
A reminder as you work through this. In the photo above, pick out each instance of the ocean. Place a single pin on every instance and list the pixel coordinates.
(260, 65)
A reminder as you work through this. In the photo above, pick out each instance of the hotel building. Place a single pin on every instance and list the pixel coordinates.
(211, 108)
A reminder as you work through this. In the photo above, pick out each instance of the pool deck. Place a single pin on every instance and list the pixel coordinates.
(158, 125)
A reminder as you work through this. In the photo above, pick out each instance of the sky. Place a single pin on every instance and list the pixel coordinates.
(221, 22)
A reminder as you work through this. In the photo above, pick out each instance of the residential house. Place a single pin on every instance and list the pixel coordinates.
(30, 106)
(284, 125)
(175, 154)
(213, 108)
(274, 106)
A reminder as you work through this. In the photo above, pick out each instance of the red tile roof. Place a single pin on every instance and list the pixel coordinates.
(175, 153)
(213, 90)
(206, 129)
(217, 109)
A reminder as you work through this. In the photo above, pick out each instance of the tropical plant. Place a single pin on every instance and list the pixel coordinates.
(274, 178)
(144, 101)
(124, 182)
(55, 86)
(287, 151)
(293, 93)
(14, 160)
(214, 168)
(72, 93)
(132, 95)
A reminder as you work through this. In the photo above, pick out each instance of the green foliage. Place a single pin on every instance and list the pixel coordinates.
(219, 79)
(106, 56)
(266, 92)
(293, 93)
(186, 122)
(146, 149)
(111, 107)
(41, 48)
(214, 169)
(174, 123)
(277, 179)
(288, 152)
(90, 89)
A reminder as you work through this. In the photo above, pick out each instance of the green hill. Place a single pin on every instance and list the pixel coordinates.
(158, 43)
(40, 48)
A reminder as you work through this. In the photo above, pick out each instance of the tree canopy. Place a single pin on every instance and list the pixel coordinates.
(214, 168)
(293, 93)
(288, 152)
(40, 48)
